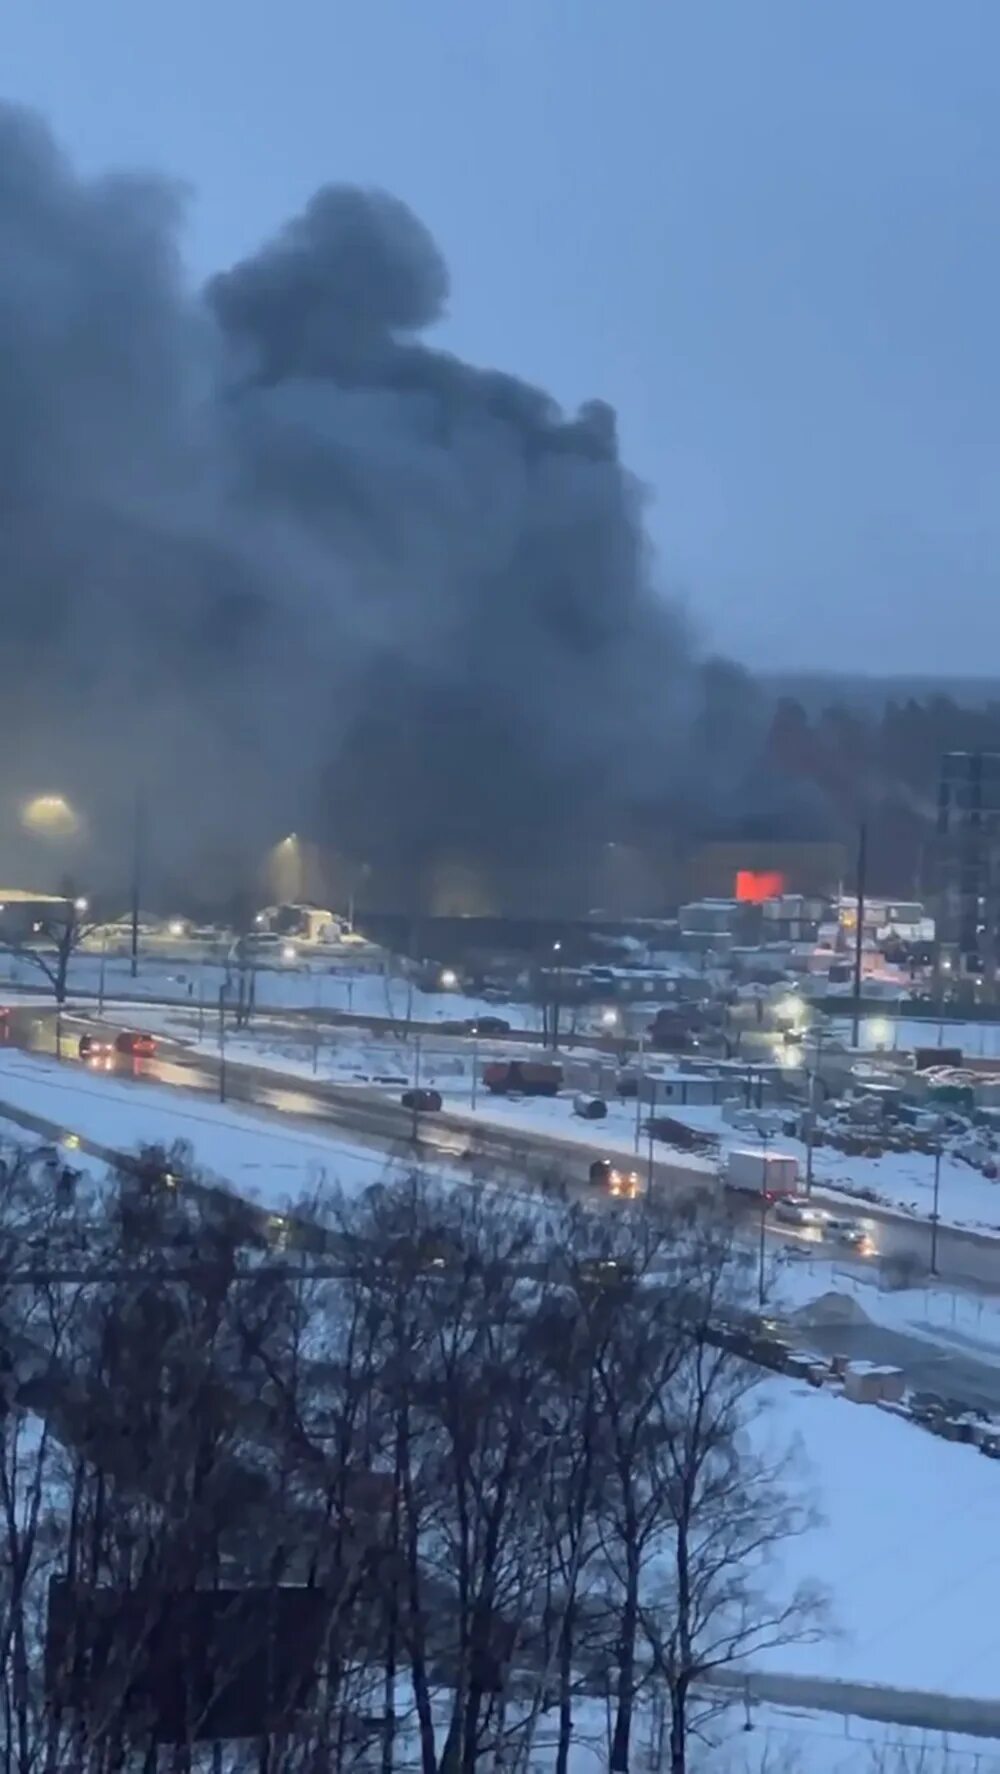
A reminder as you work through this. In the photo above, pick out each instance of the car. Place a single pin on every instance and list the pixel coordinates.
(487, 1025)
(797, 1210)
(852, 1233)
(606, 1272)
(92, 1048)
(136, 1043)
(423, 1101)
(623, 1184)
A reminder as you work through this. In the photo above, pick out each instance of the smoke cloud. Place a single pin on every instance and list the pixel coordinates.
(269, 552)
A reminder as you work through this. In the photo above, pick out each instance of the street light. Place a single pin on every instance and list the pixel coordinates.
(81, 905)
(934, 1210)
(765, 1139)
(51, 816)
(557, 952)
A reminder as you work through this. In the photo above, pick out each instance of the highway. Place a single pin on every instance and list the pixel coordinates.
(369, 1114)
(936, 1363)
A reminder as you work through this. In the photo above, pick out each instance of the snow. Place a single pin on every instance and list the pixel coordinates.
(273, 1164)
(348, 986)
(782, 1740)
(907, 1550)
(789, 1740)
(964, 1320)
(901, 1034)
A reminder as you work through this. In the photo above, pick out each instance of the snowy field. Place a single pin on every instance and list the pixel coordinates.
(309, 985)
(787, 1740)
(948, 1317)
(781, 1740)
(259, 1159)
(907, 1551)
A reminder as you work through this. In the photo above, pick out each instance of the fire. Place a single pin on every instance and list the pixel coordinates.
(753, 886)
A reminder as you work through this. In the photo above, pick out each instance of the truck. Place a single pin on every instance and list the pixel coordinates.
(770, 1174)
(522, 1077)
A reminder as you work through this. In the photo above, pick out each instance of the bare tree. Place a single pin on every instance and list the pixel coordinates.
(53, 940)
(727, 1504)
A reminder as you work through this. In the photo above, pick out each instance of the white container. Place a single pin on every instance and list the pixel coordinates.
(761, 1172)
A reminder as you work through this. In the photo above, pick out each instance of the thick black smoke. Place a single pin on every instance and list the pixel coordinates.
(274, 555)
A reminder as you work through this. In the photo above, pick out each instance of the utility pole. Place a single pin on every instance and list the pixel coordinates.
(934, 1212)
(475, 1076)
(100, 977)
(765, 1139)
(414, 1130)
(222, 1044)
(638, 1091)
(818, 1037)
(557, 994)
(860, 926)
(138, 836)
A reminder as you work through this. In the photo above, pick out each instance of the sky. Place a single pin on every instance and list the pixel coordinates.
(765, 230)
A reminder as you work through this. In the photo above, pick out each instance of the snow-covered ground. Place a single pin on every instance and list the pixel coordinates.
(346, 985)
(781, 1740)
(888, 1034)
(259, 1159)
(946, 1316)
(907, 1550)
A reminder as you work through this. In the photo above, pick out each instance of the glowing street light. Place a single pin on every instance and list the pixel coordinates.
(449, 979)
(51, 816)
(81, 905)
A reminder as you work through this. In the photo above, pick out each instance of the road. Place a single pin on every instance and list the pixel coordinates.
(928, 1366)
(367, 1113)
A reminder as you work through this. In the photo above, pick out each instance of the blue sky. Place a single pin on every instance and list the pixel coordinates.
(768, 231)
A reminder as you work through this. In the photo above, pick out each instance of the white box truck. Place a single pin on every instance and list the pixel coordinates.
(762, 1173)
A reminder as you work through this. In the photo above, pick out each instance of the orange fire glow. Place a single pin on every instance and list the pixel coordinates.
(753, 886)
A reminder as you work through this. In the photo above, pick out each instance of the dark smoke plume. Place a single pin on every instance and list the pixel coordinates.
(274, 555)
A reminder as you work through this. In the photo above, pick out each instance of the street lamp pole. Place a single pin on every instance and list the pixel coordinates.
(934, 1212)
(557, 951)
(138, 821)
(765, 1139)
(415, 1125)
(818, 1035)
(638, 1092)
(100, 977)
(222, 1043)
